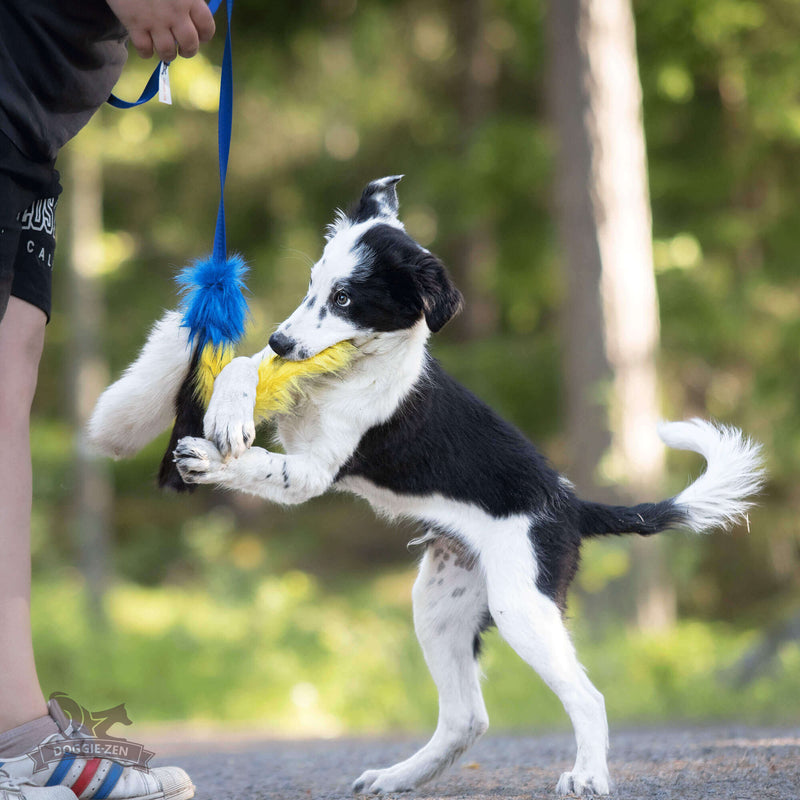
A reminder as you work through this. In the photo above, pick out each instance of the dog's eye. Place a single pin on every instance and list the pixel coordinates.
(342, 299)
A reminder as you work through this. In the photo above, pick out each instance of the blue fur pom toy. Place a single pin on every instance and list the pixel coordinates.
(215, 306)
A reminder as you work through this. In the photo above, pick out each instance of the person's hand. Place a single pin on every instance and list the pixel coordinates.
(168, 27)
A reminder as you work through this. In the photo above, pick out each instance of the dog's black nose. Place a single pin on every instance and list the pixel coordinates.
(281, 344)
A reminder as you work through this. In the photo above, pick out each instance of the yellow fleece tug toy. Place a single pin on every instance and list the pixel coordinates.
(280, 382)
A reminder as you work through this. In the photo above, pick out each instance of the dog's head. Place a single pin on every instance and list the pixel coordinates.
(372, 279)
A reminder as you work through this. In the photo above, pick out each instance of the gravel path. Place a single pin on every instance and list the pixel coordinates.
(715, 763)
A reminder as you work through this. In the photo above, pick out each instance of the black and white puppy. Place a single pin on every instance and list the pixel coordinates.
(502, 529)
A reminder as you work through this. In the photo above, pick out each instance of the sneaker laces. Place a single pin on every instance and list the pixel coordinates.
(13, 784)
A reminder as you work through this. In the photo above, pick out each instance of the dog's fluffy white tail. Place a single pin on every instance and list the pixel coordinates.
(141, 404)
(720, 497)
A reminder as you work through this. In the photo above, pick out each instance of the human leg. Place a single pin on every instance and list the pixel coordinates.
(28, 193)
(25, 720)
(21, 340)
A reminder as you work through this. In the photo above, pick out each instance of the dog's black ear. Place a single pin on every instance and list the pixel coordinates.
(379, 199)
(440, 298)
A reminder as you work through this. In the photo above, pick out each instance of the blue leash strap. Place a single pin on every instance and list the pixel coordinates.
(151, 88)
(224, 125)
(213, 287)
(148, 93)
(225, 121)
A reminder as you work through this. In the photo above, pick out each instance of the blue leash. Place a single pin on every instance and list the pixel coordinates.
(225, 119)
(148, 93)
(225, 122)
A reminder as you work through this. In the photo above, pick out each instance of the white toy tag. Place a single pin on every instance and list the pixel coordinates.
(164, 93)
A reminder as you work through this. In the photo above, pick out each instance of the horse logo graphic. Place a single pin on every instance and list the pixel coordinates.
(93, 723)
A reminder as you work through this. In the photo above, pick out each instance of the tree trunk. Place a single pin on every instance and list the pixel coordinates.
(474, 253)
(88, 370)
(611, 316)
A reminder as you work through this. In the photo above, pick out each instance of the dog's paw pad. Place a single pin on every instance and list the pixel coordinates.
(197, 460)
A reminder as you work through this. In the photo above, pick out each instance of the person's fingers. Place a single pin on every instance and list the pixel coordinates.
(185, 34)
(164, 43)
(143, 43)
(203, 21)
(195, 26)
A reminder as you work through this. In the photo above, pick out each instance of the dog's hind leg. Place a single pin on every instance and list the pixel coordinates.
(450, 611)
(531, 623)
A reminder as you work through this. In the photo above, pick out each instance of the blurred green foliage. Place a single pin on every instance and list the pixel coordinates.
(333, 93)
(301, 658)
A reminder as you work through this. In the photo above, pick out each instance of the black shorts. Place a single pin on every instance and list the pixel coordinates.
(28, 194)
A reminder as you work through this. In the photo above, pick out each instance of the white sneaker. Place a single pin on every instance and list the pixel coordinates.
(75, 772)
(11, 789)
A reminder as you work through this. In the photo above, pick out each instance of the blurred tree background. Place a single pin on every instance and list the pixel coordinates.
(216, 606)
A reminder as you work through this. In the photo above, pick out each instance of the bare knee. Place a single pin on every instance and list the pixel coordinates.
(21, 341)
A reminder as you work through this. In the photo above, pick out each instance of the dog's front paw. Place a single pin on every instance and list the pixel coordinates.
(363, 784)
(377, 781)
(198, 460)
(384, 781)
(229, 419)
(583, 784)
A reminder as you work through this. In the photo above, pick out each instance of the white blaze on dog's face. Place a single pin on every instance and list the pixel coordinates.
(373, 278)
